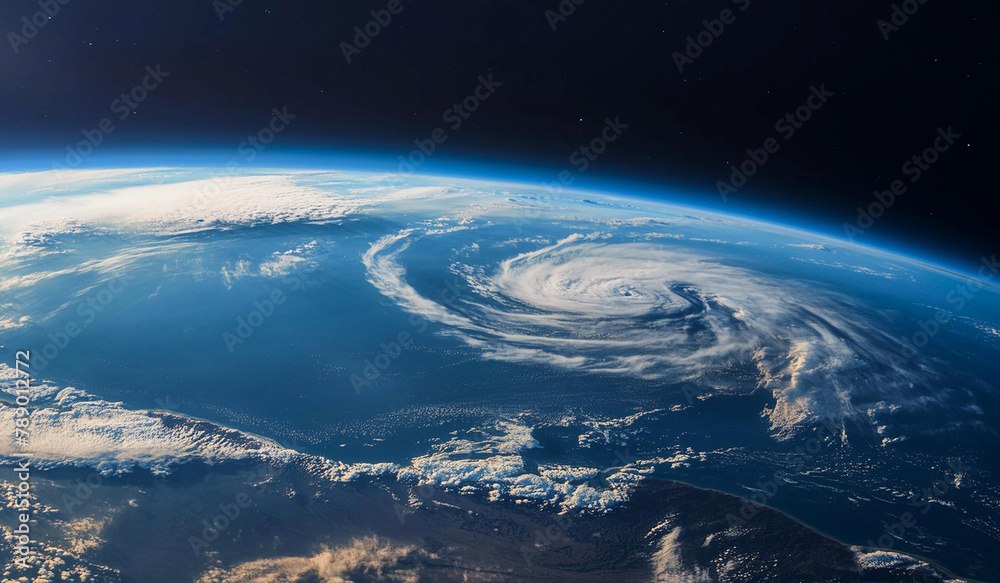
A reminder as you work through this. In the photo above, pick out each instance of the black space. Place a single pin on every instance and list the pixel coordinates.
(606, 59)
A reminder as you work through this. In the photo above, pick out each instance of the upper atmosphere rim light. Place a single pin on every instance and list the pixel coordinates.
(646, 191)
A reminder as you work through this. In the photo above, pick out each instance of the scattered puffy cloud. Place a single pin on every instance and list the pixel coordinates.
(76, 429)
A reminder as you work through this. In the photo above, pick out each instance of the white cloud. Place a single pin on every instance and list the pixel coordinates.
(655, 312)
(73, 428)
(370, 558)
(668, 566)
(183, 206)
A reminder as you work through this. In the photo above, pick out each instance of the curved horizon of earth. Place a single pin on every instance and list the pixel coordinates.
(383, 377)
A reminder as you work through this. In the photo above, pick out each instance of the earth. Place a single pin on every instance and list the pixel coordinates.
(309, 375)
